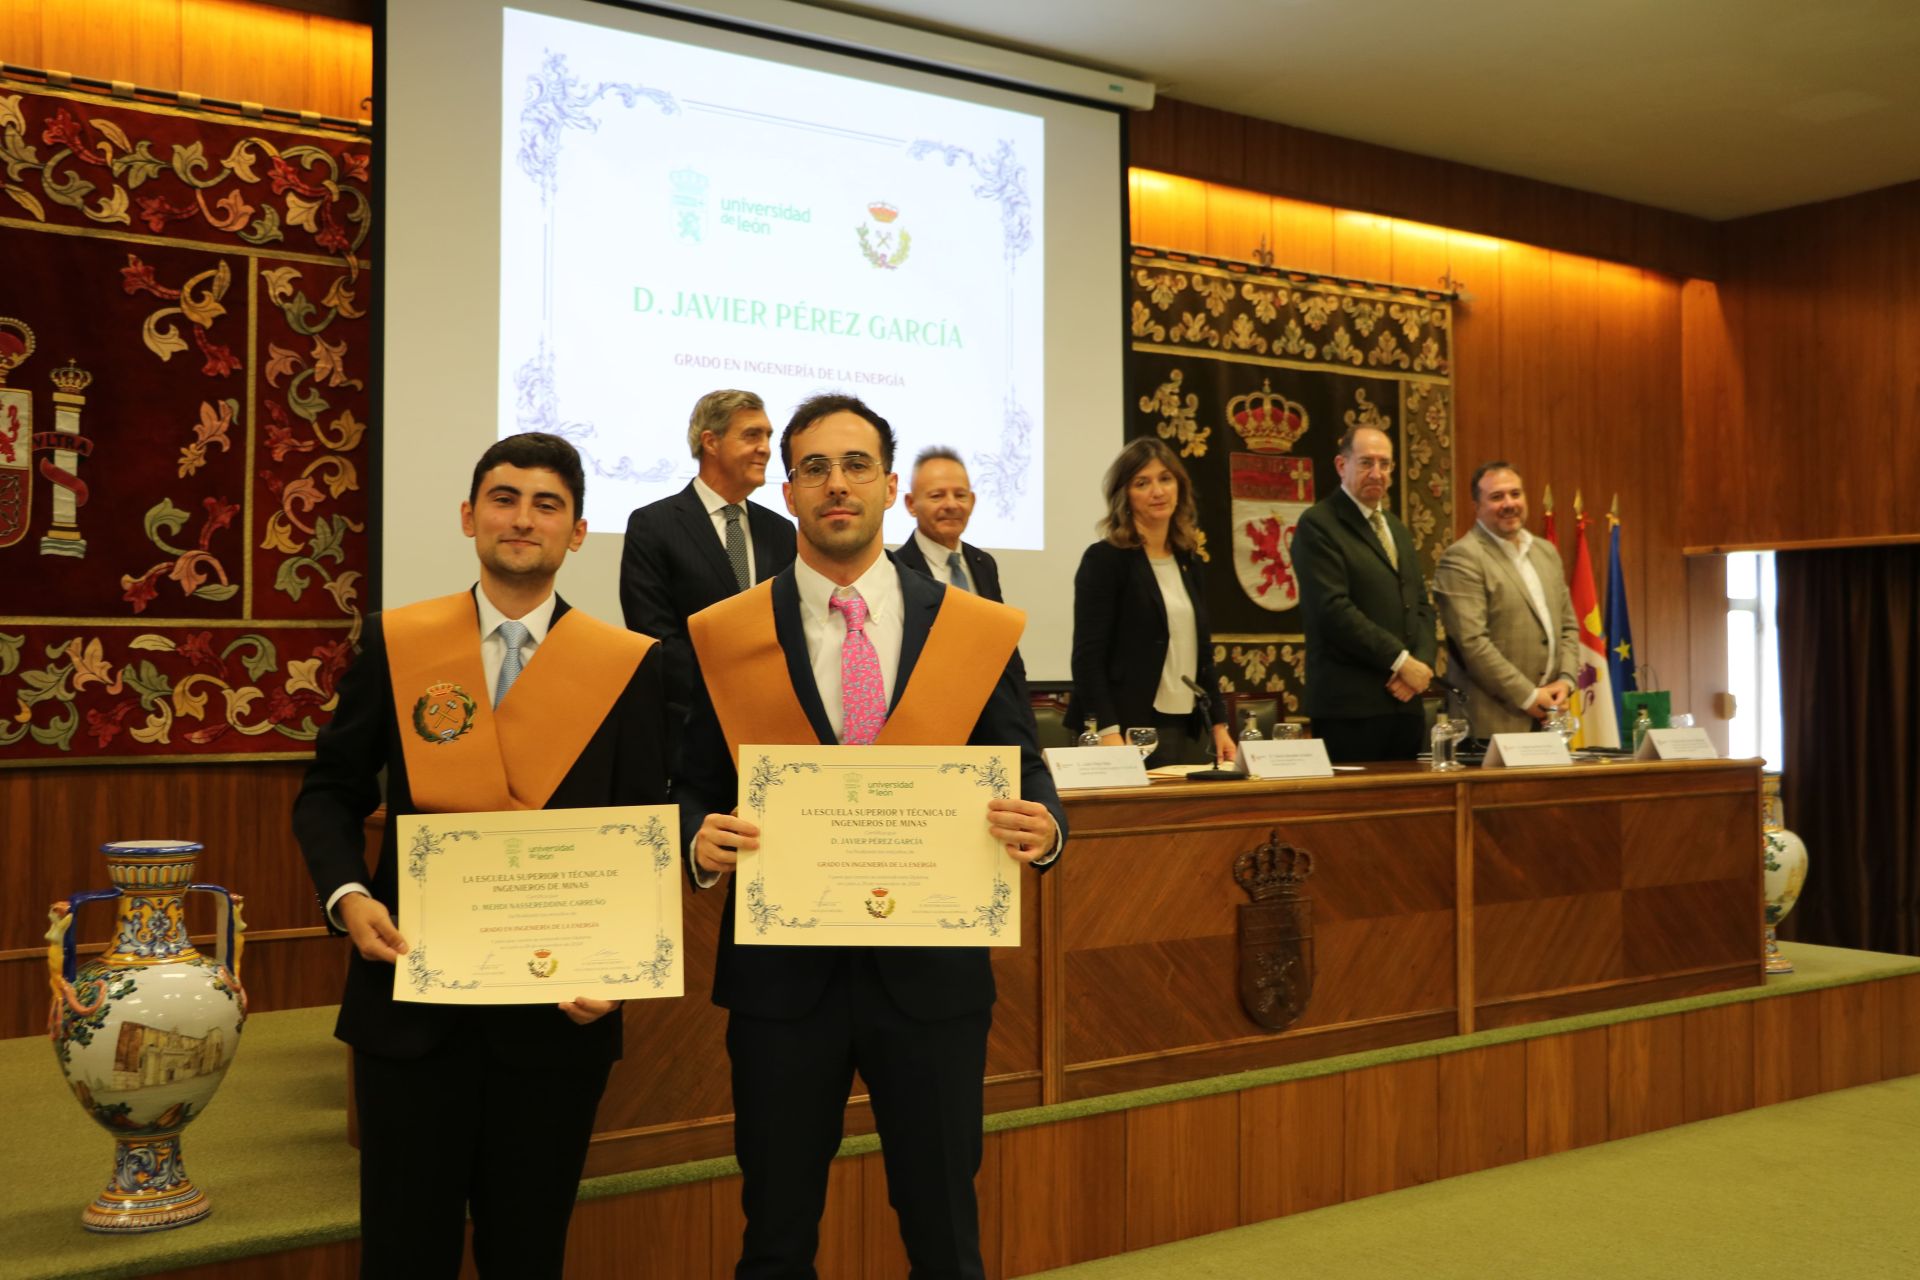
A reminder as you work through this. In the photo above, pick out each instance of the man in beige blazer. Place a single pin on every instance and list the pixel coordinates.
(1511, 633)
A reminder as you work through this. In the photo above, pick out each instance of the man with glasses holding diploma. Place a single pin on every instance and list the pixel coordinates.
(847, 647)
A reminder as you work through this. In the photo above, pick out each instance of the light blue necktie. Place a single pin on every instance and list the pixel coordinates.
(515, 634)
(959, 572)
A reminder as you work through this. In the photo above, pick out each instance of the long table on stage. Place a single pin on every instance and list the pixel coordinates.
(1442, 903)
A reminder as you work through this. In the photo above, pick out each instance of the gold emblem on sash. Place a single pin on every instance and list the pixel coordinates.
(443, 713)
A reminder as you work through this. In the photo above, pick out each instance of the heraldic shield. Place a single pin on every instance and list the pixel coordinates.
(1276, 933)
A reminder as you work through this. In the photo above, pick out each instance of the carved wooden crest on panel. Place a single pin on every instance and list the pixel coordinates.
(1276, 933)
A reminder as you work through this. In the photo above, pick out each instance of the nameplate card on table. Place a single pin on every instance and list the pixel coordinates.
(1676, 744)
(537, 906)
(877, 847)
(1527, 751)
(1282, 758)
(1077, 768)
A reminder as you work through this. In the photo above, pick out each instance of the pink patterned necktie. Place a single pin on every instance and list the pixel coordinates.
(863, 699)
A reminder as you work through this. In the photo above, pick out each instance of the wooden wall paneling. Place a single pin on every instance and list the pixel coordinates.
(1640, 338)
(1525, 356)
(1786, 1048)
(1362, 246)
(1850, 1035)
(1292, 1147)
(339, 1261)
(1567, 1091)
(1170, 212)
(1903, 394)
(1302, 235)
(1573, 385)
(725, 1222)
(1781, 280)
(986, 1190)
(257, 51)
(1062, 1188)
(1479, 422)
(1183, 1169)
(133, 40)
(1719, 1056)
(1483, 1108)
(339, 68)
(664, 1232)
(20, 32)
(1422, 254)
(1850, 312)
(842, 1226)
(1713, 415)
(1900, 1027)
(1646, 1073)
(1392, 1127)
(1299, 163)
(1238, 222)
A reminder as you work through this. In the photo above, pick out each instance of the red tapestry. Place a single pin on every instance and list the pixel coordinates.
(184, 341)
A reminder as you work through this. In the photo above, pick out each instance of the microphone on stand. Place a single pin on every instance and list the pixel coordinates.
(1201, 702)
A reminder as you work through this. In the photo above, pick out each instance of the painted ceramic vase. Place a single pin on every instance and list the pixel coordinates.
(145, 1031)
(1784, 857)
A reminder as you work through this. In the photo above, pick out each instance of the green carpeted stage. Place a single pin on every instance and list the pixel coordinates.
(1131, 1170)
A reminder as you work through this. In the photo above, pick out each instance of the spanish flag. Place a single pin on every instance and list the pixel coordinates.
(1593, 695)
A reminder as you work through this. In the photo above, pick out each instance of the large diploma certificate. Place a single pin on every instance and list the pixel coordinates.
(539, 906)
(876, 847)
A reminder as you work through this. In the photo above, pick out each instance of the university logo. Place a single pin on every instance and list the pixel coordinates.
(1271, 489)
(543, 965)
(885, 246)
(880, 906)
(443, 713)
(689, 203)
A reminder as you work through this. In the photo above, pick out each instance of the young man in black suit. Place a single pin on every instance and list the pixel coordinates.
(940, 499)
(817, 653)
(470, 702)
(707, 541)
(1369, 622)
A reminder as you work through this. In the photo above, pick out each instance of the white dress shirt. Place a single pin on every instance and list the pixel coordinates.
(493, 653)
(936, 557)
(1517, 550)
(715, 505)
(1366, 514)
(1173, 698)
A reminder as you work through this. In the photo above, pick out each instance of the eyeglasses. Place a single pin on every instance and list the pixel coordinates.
(812, 472)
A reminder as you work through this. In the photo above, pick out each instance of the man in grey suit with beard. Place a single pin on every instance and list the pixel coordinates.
(1511, 630)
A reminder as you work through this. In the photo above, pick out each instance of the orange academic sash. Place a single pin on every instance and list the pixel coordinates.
(746, 672)
(462, 755)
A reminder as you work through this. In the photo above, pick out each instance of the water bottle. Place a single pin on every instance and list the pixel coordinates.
(1641, 723)
(1445, 740)
(1091, 736)
(1250, 728)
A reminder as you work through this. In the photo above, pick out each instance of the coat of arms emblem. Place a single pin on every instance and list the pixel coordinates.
(443, 713)
(1272, 489)
(16, 435)
(1276, 933)
(885, 246)
(879, 905)
(543, 965)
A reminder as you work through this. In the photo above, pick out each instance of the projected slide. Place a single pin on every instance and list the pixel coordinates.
(676, 219)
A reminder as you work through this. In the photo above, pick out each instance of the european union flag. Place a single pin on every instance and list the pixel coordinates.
(1619, 631)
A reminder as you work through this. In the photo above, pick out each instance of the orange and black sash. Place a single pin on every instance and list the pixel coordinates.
(462, 755)
(746, 672)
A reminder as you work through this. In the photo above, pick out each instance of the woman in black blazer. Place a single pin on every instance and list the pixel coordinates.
(1140, 613)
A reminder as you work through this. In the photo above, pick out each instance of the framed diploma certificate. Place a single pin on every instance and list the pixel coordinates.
(876, 847)
(539, 906)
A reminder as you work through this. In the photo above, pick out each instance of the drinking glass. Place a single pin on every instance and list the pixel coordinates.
(1144, 740)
